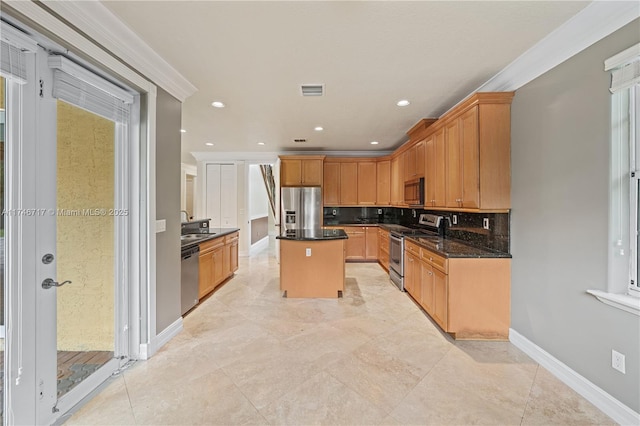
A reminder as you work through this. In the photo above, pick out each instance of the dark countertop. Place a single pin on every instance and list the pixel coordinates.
(453, 248)
(204, 234)
(313, 235)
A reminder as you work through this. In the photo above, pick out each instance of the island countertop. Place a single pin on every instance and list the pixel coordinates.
(317, 234)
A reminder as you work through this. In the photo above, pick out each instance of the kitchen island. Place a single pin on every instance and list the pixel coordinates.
(312, 262)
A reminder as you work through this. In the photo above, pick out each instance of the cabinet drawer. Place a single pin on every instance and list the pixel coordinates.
(435, 260)
(211, 244)
(412, 248)
(230, 238)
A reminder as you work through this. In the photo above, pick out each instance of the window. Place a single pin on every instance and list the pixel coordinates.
(624, 197)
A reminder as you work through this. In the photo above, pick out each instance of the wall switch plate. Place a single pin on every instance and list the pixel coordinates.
(161, 225)
(454, 219)
(308, 252)
(617, 361)
(485, 223)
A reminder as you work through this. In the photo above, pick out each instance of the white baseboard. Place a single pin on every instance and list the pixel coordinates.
(147, 350)
(592, 393)
(259, 246)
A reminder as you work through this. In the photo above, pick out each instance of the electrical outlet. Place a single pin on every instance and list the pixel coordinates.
(379, 211)
(413, 212)
(455, 219)
(334, 212)
(308, 252)
(485, 223)
(617, 361)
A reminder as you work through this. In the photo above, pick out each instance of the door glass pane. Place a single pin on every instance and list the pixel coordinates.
(2, 255)
(84, 244)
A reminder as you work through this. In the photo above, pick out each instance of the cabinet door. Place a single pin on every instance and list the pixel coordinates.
(439, 192)
(290, 172)
(371, 251)
(440, 299)
(226, 260)
(419, 159)
(218, 265)
(383, 187)
(349, 183)
(312, 172)
(395, 178)
(331, 184)
(470, 159)
(428, 287)
(356, 243)
(234, 256)
(412, 275)
(409, 157)
(430, 171)
(205, 274)
(453, 165)
(367, 183)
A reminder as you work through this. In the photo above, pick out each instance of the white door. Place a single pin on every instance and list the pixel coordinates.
(228, 196)
(80, 234)
(213, 195)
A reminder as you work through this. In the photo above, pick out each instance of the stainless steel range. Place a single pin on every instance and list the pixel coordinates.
(428, 224)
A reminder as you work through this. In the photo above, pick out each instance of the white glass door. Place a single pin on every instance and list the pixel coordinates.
(79, 286)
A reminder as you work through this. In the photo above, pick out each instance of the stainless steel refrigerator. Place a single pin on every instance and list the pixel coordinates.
(301, 208)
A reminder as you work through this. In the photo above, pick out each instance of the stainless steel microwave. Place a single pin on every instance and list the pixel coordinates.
(414, 192)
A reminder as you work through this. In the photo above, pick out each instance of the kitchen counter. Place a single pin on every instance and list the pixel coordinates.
(313, 234)
(451, 248)
(204, 234)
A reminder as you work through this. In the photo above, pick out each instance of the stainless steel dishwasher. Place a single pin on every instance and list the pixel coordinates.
(189, 278)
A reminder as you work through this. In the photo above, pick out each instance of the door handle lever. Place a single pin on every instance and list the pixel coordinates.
(48, 283)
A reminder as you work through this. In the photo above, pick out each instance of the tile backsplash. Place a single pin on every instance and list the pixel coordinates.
(467, 227)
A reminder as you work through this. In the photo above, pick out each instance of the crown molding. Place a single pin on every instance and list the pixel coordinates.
(625, 57)
(95, 20)
(272, 156)
(590, 25)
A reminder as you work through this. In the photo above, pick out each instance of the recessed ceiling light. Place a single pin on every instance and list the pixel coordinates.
(183, 131)
(318, 129)
(260, 143)
(403, 103)
(374, 143)
(217, 104)
(208, 144)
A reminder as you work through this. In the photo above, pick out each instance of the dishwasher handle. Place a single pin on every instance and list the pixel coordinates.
(188, 252)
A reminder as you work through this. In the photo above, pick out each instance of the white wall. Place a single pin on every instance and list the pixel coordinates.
(258, 197)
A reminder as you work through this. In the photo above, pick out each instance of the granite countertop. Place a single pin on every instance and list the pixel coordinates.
(318, 234)
(453, 248)
(204, 234)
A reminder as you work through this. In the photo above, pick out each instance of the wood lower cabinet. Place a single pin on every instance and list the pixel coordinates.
(383, 248)
(218, 260)
(371, 243)
(467, 297)
(356, 246)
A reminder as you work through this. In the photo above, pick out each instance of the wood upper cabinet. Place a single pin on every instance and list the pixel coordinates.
(383, 187)
(414, 161)
(478, 151)
(371, 250)
(367, 183)
(453, 187)
(349, 183)
(397, 181)
(435, 170)
(301, 171)
(331, 184)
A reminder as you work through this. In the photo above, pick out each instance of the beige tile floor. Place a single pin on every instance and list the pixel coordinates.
(249, 356)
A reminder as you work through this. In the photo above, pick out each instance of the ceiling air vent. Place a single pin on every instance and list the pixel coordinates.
(312, 89)
(299, 140)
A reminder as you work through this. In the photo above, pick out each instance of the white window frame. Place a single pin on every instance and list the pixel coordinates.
(623, 289)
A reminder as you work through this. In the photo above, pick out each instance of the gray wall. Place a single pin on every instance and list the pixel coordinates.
(560, 162)
(168, 121)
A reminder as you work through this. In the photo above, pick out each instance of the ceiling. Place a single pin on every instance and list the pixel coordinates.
(253, 56)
